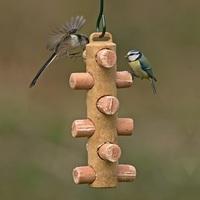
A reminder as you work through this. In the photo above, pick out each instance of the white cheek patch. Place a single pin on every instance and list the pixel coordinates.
(133, 57)
(74, 40)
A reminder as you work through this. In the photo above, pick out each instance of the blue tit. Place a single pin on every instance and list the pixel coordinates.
(65, 41)
(140, 67)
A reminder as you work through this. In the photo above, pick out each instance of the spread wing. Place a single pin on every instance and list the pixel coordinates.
(71, 27)
(146, 66)
(75, 24)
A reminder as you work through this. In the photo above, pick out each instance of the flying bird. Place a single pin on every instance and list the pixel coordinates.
(65, 41)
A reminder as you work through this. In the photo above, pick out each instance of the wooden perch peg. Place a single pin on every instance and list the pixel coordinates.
(109, 152)
(124, 79)
(83, 128)
(84, 175)
(108, 105)
(85, 81)
(81, 81)
(125, 126)
(106, 58)
(86, 128)
(126, 173)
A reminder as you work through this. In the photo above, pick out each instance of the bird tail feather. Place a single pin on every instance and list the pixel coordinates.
(153, 86)
(47, 63)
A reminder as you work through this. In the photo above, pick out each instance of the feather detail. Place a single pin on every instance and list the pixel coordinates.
(153, 86)
(47, 63)
(70, 27)
(75, 24)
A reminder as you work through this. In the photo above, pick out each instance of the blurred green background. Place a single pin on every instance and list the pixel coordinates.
(37, 152)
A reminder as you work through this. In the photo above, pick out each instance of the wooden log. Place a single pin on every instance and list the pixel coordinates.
(106, 58)
(124, 79)
(108, 105)
(84, 175)
(126, 173)
(109, 152)
(105, 125)
(81, 81)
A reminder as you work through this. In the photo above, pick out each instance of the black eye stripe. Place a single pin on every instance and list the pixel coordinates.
(133, 54)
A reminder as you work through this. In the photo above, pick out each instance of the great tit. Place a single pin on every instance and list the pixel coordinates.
(140, 67)
(65, 41)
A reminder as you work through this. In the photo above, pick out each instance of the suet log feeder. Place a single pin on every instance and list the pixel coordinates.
(102, 125)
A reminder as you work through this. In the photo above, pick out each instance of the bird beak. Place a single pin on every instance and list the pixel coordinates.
(126, 56)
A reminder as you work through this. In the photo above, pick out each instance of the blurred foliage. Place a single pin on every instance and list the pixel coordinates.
(37, 152)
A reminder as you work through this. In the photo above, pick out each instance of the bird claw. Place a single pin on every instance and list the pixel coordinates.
(75, 55)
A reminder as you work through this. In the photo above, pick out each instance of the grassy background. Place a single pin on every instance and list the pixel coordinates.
(37, 152)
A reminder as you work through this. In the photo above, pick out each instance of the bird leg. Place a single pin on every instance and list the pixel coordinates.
(75, 55)
(133, 74)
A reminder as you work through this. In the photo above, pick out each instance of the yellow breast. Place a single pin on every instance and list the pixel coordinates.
(136, 67)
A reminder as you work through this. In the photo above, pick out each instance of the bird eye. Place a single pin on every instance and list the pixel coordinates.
(132, 54)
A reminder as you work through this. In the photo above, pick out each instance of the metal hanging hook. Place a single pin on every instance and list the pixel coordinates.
(101, 20)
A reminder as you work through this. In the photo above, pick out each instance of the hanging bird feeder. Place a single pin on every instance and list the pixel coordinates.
(102, 125)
